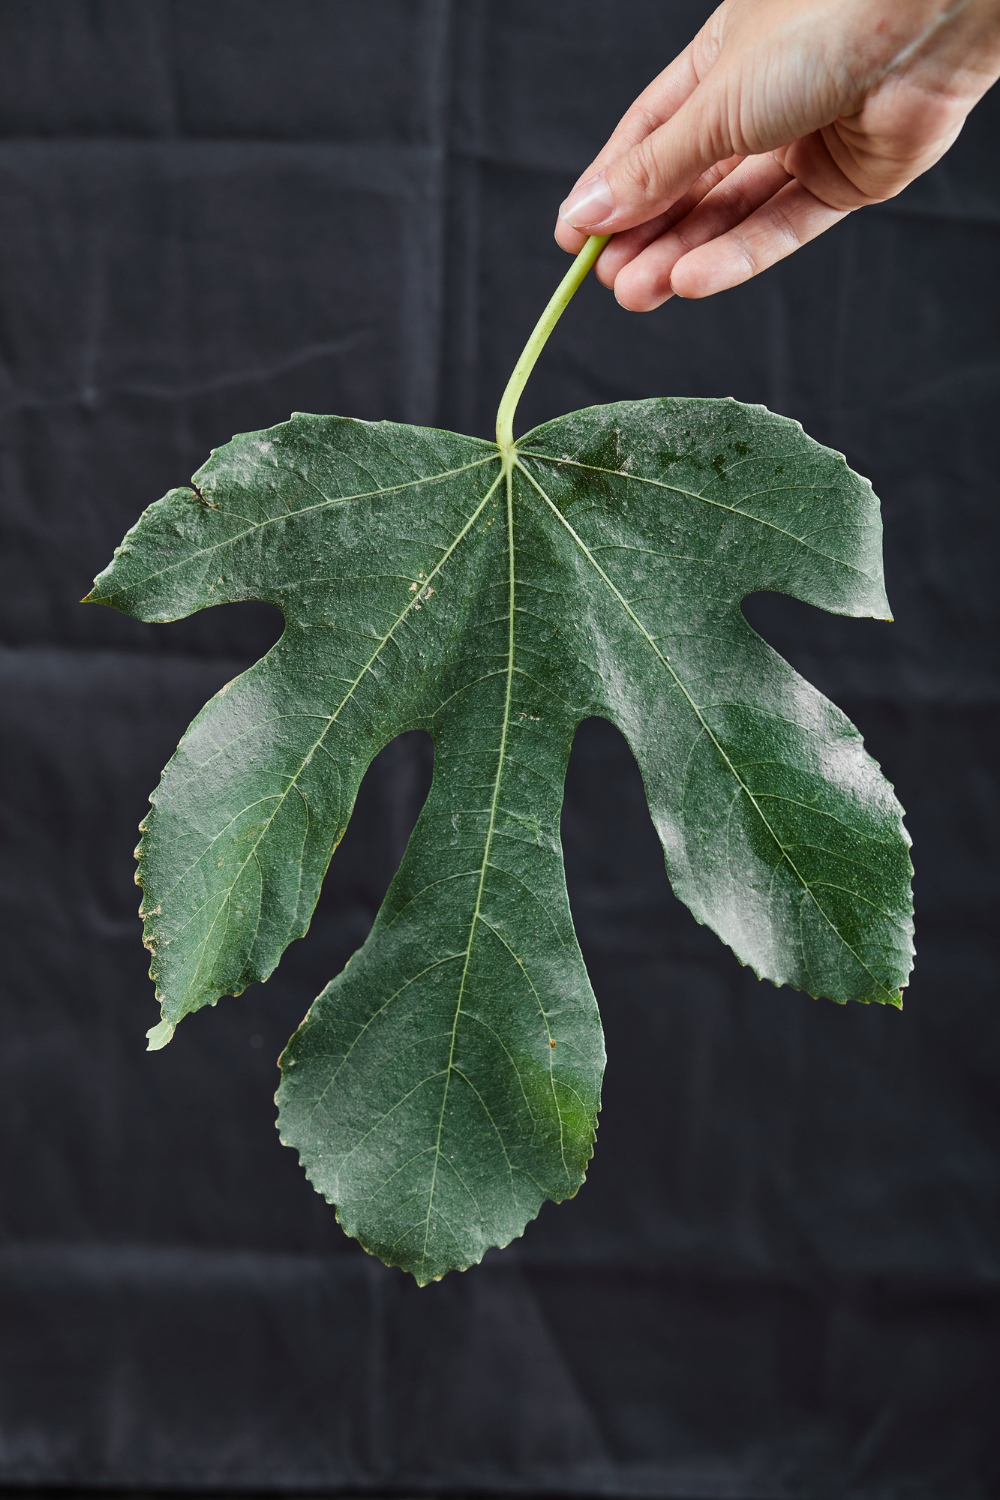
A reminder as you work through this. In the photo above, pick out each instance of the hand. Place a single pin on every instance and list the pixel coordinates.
(779, 119)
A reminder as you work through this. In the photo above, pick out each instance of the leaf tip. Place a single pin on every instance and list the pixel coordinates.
(157, 1037)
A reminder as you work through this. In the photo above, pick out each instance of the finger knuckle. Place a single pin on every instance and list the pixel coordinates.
(739, 204)
(784, 226)
(714, 133)
(744, 256)
(682, 239)
(641, 171)
(646, 118)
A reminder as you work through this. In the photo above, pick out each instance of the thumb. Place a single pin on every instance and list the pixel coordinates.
(650, 176)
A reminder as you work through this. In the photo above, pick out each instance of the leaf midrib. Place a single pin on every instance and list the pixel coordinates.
(450, 1066)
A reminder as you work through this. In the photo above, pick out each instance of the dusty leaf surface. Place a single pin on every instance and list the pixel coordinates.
(447, 1082)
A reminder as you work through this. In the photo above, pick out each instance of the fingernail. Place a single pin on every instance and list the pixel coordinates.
(589, 204)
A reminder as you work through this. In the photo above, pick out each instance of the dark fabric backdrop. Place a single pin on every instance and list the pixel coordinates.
(783, 1276)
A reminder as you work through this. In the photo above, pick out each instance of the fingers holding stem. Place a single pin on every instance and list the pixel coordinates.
(740, 217)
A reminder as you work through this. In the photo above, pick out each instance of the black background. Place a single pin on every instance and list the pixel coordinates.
(782, 1278)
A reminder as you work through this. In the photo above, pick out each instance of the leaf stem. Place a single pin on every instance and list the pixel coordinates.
(539, 335)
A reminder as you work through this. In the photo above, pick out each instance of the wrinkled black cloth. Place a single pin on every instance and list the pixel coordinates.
(782, 1278)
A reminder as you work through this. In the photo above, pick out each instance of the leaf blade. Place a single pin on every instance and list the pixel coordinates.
(770, 931)
(447, 1083)
(231, 877)
(524, 1123)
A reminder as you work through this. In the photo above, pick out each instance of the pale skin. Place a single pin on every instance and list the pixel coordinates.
(779, 119)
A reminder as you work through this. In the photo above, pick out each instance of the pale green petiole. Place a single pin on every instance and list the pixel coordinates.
(557, 305)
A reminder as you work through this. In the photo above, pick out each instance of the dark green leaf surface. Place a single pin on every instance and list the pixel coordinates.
(447, 1082)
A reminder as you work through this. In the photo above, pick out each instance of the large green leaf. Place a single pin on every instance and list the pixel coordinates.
(447, 1082)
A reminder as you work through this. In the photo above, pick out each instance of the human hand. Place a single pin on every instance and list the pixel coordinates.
(775, 122)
